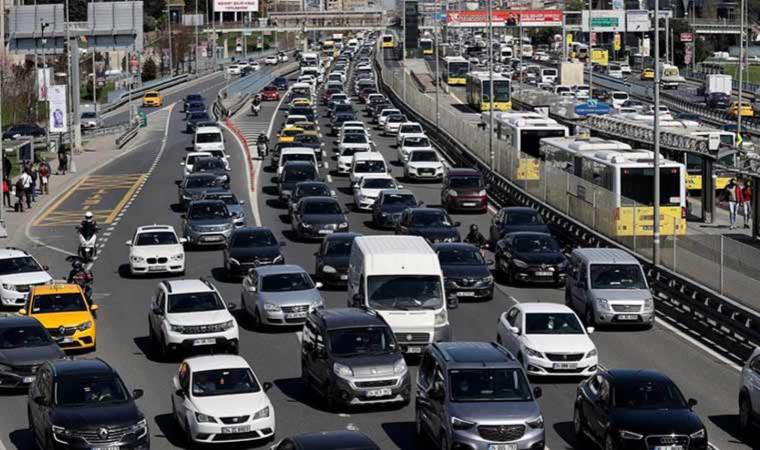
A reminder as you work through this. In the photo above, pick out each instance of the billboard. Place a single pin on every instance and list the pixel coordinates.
(236, 5)
(638, 21)
(43, 83)
(411, 16)
(603, 21)
(57, 109)
(500, 18)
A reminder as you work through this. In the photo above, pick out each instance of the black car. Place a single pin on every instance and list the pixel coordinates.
(251, 247)
(194, 106)
(333, 440)
(338, 119)
(24, 345)
(193, 186)
(214, 166)
(196, 118)
(627, 409)
(310, 140)
(337, 108)
(191, 98)
(465, 271)
(516, 218)
(390, 203)
(532, 257)
(294, 172)
(82, 403)
(309, 189)
(718, 100)
(281, 83)
(23, 130)
(306, 111)
(331, 266)
(317, 217)
(433, 224)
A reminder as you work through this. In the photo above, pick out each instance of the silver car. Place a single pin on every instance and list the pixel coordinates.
(279, 295)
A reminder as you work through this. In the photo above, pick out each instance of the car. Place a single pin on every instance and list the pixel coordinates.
(338, 107)
(548, 339)
(350, 357)
(271, 60)
(305, 189)
(233, 69)
(464, 190)
(308, 112)
(292, 120)
(25, 345)
(339, 118)
(193, 186)
(152, 98)
(229, 198)
(368, 187)
(408, 129)
(384, 114)
(19, 272)
(187, 315)
(351, 124)
(367, 164)
(647, 74)
(156, 249)
(745, 110)
(625, 68)
(194, 106)
(310, 139)
(214, 166)
(331, 264)
(392, 124)
(281, 83)
(333, 440)
(433, 224)
(24, 130)
(207, 222)
(189, 98)
(336, 100)
(288, 134)
(84, 400)
(293, 154)
(477, 395)
(749, 394)
(630, 408)
(196, 118)
(465, 271)
(389, 206)
(66, 314)
(294, 172)
(279, 295)
(516, 218)
(718, 100)
(251, 247)
(331, 89)
(423, 164)
(529, 256)
(90, 120)
(351, 144)
(317, 217)
(411, 142)
(270, 93)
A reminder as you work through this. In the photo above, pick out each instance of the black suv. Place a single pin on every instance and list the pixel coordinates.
(24, 129)
(24, 345)
(350, 356)
(84, 404)
(334, 440)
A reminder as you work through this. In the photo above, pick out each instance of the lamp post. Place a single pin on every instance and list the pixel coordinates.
(43, 26)
(171, 49)
(437, 74)
(741, 71)
(197, 19)
(656, 200)
(590, 51)
(492, 103)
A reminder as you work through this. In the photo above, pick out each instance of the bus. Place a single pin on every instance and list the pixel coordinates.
(479, 92)
(618, 183)
(454, 70)
(426, 45)
(328, 48)
(579, 51)
(716, 139)
(389, 41)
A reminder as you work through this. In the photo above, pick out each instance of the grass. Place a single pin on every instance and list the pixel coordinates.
(754, 73)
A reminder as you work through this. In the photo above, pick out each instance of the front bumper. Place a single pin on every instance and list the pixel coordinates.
(242, 267)
(286, 316)
(467, 203)
(17, 377)
(169, 265)
(470, 439)
(559, 367)
(141, 443)
(538, 275)
(373, 391)
(186, 342)
(425, 174)
(208, 237)
(250, 430)
(338, 277)
(319, 232)
(651, 442)
(13, 298)
(642, 317)
(73, 339)
(479, 291)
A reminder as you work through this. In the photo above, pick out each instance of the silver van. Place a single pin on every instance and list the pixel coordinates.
(608, 286)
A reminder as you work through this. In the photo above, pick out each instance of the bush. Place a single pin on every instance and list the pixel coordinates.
(149, 70)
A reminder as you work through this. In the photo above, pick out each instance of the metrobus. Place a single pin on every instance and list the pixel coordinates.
(579, 51)
(389, 41)
(426, 45)
(479, 92)
(454, 70)
(328, 48)
(619, 184)
(716, 139)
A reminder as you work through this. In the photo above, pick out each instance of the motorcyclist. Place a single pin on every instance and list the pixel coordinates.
(475, 238)
(262, 144)
(88, 227)
(256, 105)
(81, 276)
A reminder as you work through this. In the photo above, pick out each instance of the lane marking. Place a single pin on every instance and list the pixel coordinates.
(127, 198)
(59, 201)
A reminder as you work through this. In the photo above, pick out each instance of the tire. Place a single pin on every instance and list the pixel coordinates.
(588, 317)
(609, 444)
(578, 429)
(745, 415)
(419, 431)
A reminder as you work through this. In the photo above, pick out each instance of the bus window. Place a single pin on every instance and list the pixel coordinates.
(636, 184)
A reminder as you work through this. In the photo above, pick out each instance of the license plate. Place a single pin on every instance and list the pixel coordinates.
(379, 393)
(465, 294)
(209, 341)
(299, 315)
(668, 447)
(211, 238)
(238, 429)
(502, 446)
(344, 277)
(105, 448)
(325, 231)
(27, 380)
(628, 317)
(414, 349)
(469, 203)
(156, 269)
(564, 365)
(544, 274)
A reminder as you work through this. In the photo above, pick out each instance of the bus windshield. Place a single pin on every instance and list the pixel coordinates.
(637, 185)
(458, 69)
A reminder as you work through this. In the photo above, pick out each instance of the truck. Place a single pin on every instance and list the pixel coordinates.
(571, 73)
(718, 83)
(670, 77)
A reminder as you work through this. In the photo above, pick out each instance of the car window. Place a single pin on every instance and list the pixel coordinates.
(321, 208)
(489, 385)
(378, 183)
(465, 182)
(57, 303)
(338, 247)
(207, 211)
(369, 167)
(534, 244)
(79, 390)
(200, 182)
(431, 218)
(261, 238)
(156, 238)
(523, 218)
(346, 342)
(208, 164)
(617, 276)
(552, 323)
(24, 337)
(295, 174)
(460, 256)
(208, 138)
(399, 200)
(647, 394)
(424, 156)
(284, 282)
(195, 302)
(209, 383)
(415, 142)
(22, 264)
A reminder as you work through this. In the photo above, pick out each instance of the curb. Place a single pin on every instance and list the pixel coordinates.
(246, 149)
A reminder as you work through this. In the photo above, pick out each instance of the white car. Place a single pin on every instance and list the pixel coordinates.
(294, 119)
(282, 57)
(339, 77)
(296, 154)
(254, 65)
(407, 129)
(625, 68)
(191, 314)
(309, 79)
(233, 69)
(581, 92)
(617, 98)
(190, 159)
(384, 115)
(423, 165)
(351, 143)
(271, 60)
(352, 125)
(392, 124)
(412, 142)
(218, 398)
(548, 339)
(19, 272)
(156, 249)
(367, 163)
(369, 187)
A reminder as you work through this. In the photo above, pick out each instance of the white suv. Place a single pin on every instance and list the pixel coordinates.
(19, 271)
(189, 314)
(218, 398)
(156, 248)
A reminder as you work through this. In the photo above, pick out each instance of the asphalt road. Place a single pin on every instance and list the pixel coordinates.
(122, 322)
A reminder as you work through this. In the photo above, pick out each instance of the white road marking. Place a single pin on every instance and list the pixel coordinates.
(329, 178)
(698, 344)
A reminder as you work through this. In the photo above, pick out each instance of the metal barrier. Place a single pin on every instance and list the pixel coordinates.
(127, 136)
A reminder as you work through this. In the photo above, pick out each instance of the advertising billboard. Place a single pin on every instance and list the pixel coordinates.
(603, 21)
(501, 18)
(43, 83)
(236, 5)
(638, 21)
(57, 110)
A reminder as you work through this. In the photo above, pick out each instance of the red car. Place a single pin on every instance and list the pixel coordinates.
(270, 93)
(464, 190)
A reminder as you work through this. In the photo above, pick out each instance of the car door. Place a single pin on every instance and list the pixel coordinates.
(181, 392)
(42, 389)
(510, 340)
(157, 310)
(250, 291)
(423, 403)
(596, 407)
(753, 380)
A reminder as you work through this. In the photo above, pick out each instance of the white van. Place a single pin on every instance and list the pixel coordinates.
(208, 138)
(367, 163)
(302, 89)
(549, 75)
(296, 154)
(617, 98)
(614, 71)
(400, 278)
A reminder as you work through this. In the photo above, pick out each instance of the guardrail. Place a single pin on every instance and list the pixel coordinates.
(127, 136)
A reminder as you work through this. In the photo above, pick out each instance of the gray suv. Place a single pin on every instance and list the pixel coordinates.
(350, 356)
(475, 395)
(207, 222)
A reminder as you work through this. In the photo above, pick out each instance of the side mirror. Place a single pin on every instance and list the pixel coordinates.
(156, 310)
(514, 330)
(180, 392)
(128, 243)
(266, 386)
(452, 301)
(590, 330)
(318, 285)
(137, 393)
(94, 308)
(45, 268)
(537, 392)
(692, 402)
(182, 163)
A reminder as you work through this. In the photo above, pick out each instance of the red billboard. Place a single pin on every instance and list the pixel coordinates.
(500, 18)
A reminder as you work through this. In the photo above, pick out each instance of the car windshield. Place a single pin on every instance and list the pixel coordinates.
(156, 238)
(313, 190)
(199, 116)
(228, 199)
(258, 238)
(399, 200)
(339, 97)
(338, 247)
(552, 323)
(191, 302)
(343, 107)
(405, 292)
(361, 341)
(89, 115)
(523, 218)
(195, 105)
(308, 157)
(617, 276)
(396, 119)
(535, 244)
(430, 219)
(326, 207)
(379, 183)
(23, 337)
(290, 132)
(388, 112)
(209, 383)
(465, 182)
(416, 142)
(292, 174)
(355, 138)
(409, 129)
(200, 182)
(208, 138)
(57, 303)
(460, 256)
(90, 390)
(208, 165)
(285, 282)
(207, 211)
(370, 167)
(423, 156)
(307, 139)
(193, 97)
(646, 394)
(22, 264)
(489, 385)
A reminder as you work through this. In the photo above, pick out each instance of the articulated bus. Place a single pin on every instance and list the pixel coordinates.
(454, 70)
(479, 92)
(427, 46)
(716, 139)
(626, 210)
(389, 41)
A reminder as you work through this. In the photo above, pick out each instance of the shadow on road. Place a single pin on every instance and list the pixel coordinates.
(730, 424)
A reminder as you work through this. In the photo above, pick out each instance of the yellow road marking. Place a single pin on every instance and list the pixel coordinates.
(125, 199)
(59, 202)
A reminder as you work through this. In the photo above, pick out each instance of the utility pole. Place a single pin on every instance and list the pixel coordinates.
(656, 216)
(436, 34)
(2, 78)
(741, 72)
(94, 83)
(171, 49)
(491, 101)
(43, 25)
(403, 52)
(197, 19)
(590, 51)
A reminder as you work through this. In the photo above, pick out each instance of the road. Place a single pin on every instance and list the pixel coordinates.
(122, 324)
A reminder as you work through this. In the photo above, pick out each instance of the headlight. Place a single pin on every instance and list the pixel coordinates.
(305, 225)
(277, 259)
(178, 257)
(520, 264)
(342, 371)
(227, 325)
(538, 422)
(60, 430)
(482, 193)
(343, 225)
(630, 435)
(459, 424)
(400, 366)
(534, 353)
(441, 318)
(233, 261)
(452, 193)
(84, 326)
(315, 304)
(141, 424)
(698, 434)
(227, 226)
(137, 259)
(201, 418)
(328, 269)
(649, 303)
(271, 307)
(487, 280)
(592, 353)
(9, 287)
(177, 328)
(602, 304)
(262, 413)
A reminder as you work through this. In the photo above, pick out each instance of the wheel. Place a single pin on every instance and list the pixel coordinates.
(609, 444)
(745, 415)
(589, 317)
(444, 441)
(330, 400)
(578, 429)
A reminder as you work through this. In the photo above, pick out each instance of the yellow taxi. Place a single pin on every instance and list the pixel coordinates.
(153, 98)
(288, 134)
(746, 110)
(299, 102)
(63, 310)
(647, 74)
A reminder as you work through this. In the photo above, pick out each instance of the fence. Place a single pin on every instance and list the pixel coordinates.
(722, 264)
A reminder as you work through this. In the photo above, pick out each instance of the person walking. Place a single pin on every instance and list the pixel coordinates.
(6, 192)
(7, 167)
(63, 160)
(731, 198)
(19, 195)
(26, 187)
(44, 172)
(747, 203)
(35, 180)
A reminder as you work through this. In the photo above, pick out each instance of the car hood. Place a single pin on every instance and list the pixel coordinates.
(653, 421)
(372, 193)
(433, 232)
(465, 271)
(28, 356)
(324, 218)
(494, 413)
(119, 414)
(151, 250)
(371, 365)
(250, 253)
(409, 321)
(623, 294)
(565, 343)
(291, 297)
(66, 319)
(539, 228)
(425, 164)
(236, 208)
(232, 405)
(195, 191)
(205, 222)
(199, 318)
(540, 258)
(26, 278)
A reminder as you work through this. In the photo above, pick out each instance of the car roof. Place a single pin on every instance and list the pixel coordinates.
(334, 440)
(187, 286)
(626, 375)
(534, 307)
(208, 130)
(278, 269)
(146, 228)
(216, 362)
(12, 252)
(511, 209)
(80, 366)
(318, 199)
(15, 320)
(335, 318)
(460, 172)
(604, 256)
(454, 246)
(478, 354)
(296, 151)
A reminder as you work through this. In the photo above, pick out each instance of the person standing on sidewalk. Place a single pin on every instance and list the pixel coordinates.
(26, 188)
(6, 192)
(32, 171)
(44, 173)
(7, 167)
(731, 198)
(63, 160)
(747, 203)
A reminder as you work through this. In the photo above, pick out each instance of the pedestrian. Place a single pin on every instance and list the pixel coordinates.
(6, 192)
(26, 184)
(19, 195)
(731, 198)
(63, 160)
(44, 173)
(7, 167)
(747, 204)
(32, 171)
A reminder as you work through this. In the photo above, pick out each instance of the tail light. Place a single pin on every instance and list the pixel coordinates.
(683, 212)
(617, 214)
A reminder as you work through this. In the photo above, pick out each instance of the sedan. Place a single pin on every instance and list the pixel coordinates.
(527, 256)
(90, 120)
(270, 93)
(392, 124)
(194, 119)
(331, 265)
(367, 189)
(465, 271)
(389, 206)
(23, 129)
(433, 224)
(271, 60)
(251, 247)
(279, 295)
(317, 217)
(306, 189)
(516, 218)
(423, 165)
(548, 339)
(156, 249)
(26, 346)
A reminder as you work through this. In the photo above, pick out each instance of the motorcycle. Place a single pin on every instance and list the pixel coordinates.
(86, 248)
(255, 109)
(83, 277)
(263, 149)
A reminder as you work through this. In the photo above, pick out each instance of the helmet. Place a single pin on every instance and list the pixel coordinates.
(77, 264)
(473, 228)
(88, 216)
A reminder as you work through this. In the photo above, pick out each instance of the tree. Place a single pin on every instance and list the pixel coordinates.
(575, 5)
(149, 70)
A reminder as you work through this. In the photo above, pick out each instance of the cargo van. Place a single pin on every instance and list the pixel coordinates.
(207, 139)
(400, 278)
(608, 286)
